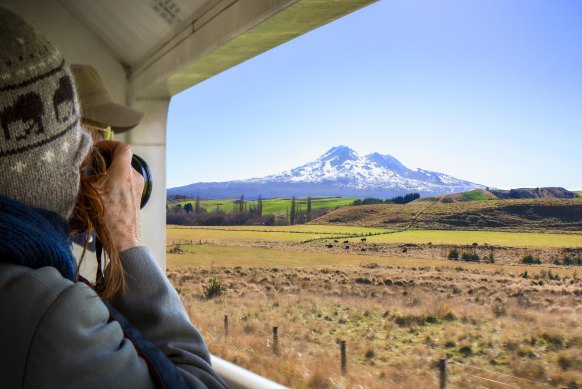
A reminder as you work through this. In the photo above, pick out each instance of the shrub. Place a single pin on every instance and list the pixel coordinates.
(466, 350)
(570, 261)
(213, 289)
(490, 258)
(471, 257)
(569, 360)
(453, 254)
(529, 259)
(176, 250)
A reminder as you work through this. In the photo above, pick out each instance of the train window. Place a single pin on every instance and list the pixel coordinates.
(391, 200)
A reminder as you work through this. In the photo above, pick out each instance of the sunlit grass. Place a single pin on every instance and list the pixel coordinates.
(510, 239)
(300, 233)
(476, 195)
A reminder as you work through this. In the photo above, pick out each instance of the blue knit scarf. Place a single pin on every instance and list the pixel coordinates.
(35, 238)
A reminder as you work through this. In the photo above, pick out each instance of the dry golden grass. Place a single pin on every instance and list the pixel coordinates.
(399, 306)
(397, 322)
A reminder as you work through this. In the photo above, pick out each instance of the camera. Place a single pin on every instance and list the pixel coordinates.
(100, 164)
(142, 168)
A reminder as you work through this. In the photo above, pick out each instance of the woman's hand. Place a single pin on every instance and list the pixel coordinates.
(121, 190)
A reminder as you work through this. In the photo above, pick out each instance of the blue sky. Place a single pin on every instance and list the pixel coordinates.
(485, 90)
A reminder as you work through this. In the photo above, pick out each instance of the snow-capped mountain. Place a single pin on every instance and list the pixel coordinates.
(339, 172)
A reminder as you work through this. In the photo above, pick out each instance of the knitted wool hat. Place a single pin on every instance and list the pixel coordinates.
(42, 143)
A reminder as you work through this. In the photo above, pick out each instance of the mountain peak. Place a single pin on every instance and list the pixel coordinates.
(341, 149)
(338, 155)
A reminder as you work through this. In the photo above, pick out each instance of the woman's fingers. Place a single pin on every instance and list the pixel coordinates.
(121, 190)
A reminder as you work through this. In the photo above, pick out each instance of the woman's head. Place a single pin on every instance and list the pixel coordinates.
(42, 143)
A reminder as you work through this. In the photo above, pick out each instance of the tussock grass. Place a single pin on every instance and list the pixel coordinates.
(395, 332)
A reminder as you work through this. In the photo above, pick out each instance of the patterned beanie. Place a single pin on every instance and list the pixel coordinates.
(42, 143)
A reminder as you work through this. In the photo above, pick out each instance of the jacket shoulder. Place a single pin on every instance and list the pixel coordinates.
(25, 296)
(63, 336)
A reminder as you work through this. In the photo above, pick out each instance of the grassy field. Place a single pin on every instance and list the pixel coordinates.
(378, 278)
(476, 195)
(298, 233)
(578, 192)
(497, 324)
(303, 233)
(492, 238)
(212, 255)
(273, 206)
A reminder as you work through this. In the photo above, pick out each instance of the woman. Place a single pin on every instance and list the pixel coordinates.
(56, 332)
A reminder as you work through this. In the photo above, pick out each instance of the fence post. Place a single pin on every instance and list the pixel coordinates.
(225, 325)
(343, 356)
(443, 373)
(276, 340)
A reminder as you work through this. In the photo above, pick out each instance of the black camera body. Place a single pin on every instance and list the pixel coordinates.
(142, 168)
(138, 164)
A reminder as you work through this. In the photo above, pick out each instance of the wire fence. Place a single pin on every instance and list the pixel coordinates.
(451, 374)
(477, 377)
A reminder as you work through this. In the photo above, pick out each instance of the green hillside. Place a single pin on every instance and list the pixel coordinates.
(271, 206)
(578, 192)
(477, 195)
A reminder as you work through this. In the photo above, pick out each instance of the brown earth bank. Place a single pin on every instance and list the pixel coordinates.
(496, 215)
(397, 323)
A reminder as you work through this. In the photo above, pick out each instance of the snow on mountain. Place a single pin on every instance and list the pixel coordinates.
(373, 171)
(339, 172)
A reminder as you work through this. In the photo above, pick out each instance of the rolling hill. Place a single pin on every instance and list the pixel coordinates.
(495, 214)
(512, 194)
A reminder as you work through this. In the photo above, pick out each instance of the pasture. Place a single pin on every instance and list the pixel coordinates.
(302, 233)
(398, 313)
(476, 195)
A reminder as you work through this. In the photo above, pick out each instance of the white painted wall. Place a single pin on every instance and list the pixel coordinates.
(149, 142)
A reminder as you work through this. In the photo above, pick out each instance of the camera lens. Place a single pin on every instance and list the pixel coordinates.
(142, 168)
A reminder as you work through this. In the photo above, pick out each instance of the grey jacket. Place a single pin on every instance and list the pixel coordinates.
(56, 334)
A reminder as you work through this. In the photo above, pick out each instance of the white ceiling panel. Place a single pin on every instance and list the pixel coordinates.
(132, 28)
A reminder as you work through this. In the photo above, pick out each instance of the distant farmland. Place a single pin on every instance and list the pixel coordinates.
(277, 206)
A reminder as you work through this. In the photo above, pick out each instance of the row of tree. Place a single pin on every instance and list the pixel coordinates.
(407, 198)
(243, 213)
